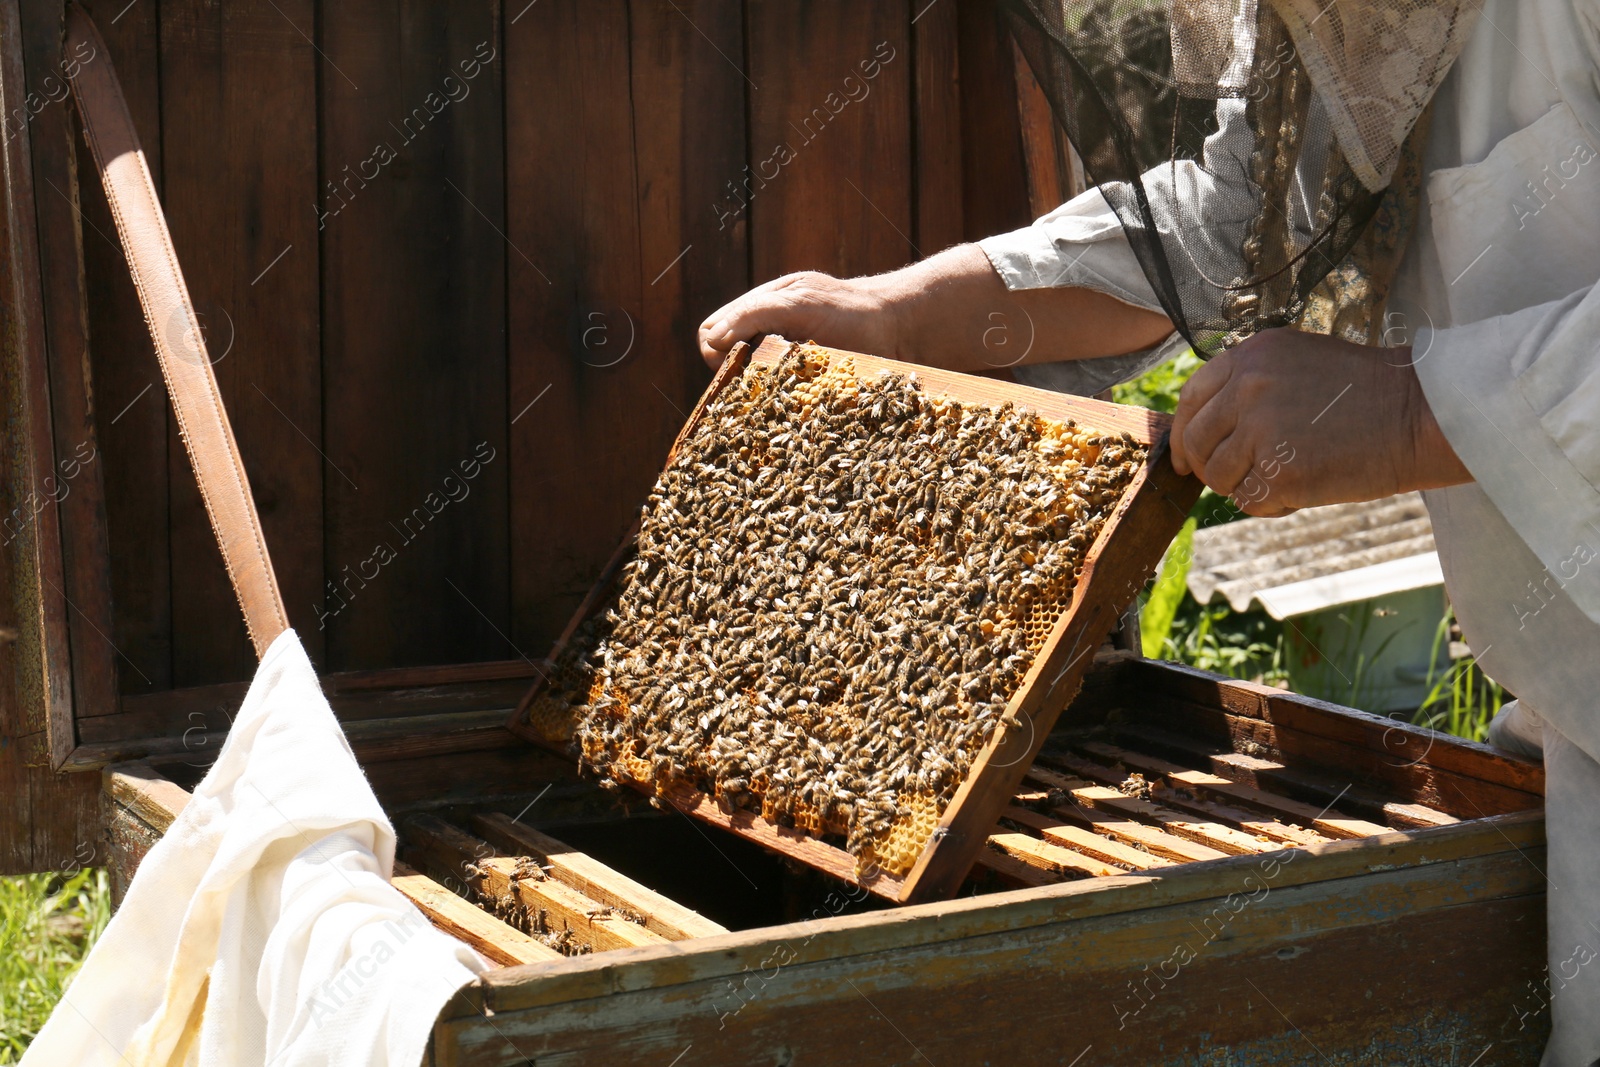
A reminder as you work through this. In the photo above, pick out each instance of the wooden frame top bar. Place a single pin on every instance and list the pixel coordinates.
(1143, 425)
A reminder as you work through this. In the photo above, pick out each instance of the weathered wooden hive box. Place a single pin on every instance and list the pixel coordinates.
(450, 258)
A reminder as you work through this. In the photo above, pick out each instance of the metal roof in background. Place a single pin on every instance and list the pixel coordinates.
(1317, 558)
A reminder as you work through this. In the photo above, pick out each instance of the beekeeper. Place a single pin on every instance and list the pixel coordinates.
(1381, 219)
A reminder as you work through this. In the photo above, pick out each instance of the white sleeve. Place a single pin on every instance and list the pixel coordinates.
(1202, 208)
(1518, 398)
(1081, 245)
(1078, 245)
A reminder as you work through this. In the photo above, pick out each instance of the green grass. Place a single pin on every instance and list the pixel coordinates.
(47, 923)
(1461, 700)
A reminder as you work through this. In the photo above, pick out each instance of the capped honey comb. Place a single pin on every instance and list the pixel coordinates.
(838, 584)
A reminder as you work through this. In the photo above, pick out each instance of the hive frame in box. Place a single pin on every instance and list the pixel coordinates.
(1124, 553)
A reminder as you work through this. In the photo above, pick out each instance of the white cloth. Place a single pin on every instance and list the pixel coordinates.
(1498, 287)
(262, 928)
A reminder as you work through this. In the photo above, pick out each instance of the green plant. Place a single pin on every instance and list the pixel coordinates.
(1461, 699)
(47, 924)
(1161, 606)
(1158, 388)
(1240, 644)
(1348, 680)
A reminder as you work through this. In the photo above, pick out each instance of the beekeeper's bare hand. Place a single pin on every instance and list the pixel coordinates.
(1290, 420)
(858, 314)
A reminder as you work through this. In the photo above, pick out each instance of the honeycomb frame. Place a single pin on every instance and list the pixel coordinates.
(884, 864)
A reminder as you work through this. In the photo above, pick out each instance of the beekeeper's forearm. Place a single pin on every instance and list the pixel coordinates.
(955, 312)
(951, 310)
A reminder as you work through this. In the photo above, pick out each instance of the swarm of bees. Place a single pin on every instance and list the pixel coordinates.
(839, 584)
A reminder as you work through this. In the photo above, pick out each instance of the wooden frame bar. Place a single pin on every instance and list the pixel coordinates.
(1247, 821)
(595, 880)
(1095, 846)
(1199, 781)
(477, 865)
(493, 939)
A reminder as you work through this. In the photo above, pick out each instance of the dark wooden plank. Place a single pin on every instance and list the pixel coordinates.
(831, 154)
(372, 740)
(393, 711)
(1048, 174)
(239, 139)
(1393, 739)
(994, 174)
(77, 501)
(447, 674)
(481, 778)
(688, 96)
(936, 45)
(35, 669)
(414, 268)
(589, 426)
(212, 708)
(131, 418)
(51, 820)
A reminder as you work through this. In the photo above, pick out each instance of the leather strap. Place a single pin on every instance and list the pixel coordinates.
(180, 346)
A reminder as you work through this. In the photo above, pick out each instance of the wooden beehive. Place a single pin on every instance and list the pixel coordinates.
(1065, 625)
(1189, 856)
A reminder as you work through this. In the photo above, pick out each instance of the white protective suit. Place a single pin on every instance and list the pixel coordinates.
(1497, 295)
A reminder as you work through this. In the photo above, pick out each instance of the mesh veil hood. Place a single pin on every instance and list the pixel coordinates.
(1261, 155)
